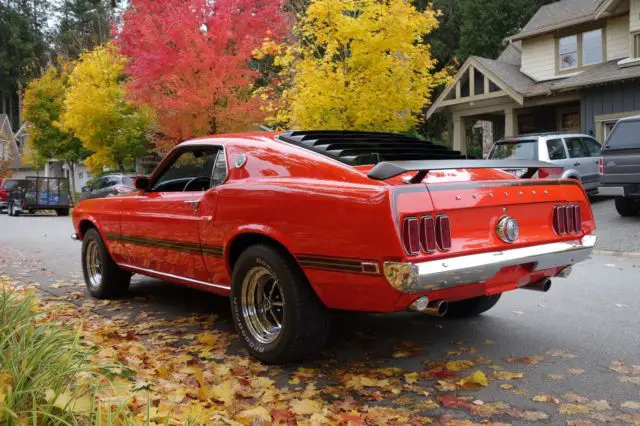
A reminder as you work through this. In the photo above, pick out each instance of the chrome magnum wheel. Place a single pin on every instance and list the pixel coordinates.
(93, 262)
(102, 276)
(263, 304)
(275, 310)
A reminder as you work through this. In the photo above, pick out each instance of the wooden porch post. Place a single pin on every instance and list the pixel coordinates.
(510, 122)
(459, 134)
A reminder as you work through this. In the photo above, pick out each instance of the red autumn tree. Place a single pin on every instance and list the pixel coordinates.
(190, 61)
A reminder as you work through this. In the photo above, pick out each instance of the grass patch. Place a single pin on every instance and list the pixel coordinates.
(46, 373)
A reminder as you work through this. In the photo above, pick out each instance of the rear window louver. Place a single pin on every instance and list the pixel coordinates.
(364, 148)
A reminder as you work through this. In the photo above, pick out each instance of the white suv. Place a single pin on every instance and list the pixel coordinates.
(578, 154)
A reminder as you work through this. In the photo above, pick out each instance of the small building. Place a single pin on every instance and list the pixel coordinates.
(574, 67)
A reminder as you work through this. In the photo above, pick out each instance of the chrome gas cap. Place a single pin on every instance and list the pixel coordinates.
(508, 229)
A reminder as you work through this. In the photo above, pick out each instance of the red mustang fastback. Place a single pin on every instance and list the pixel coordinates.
(294, 225)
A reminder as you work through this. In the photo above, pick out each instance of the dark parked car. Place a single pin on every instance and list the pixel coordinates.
(620, 166)
(6, 186)
(111, 184)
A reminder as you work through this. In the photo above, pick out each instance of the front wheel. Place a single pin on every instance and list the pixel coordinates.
(102, 276)
(275, 310)
(472, 307)
(626, 206)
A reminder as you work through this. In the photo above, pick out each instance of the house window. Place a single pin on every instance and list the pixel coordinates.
(592, 47)
(568, 52)
(636, 45)
(580, 50)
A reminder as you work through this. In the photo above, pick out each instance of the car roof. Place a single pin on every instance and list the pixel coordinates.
(633, 118)
(544, 135)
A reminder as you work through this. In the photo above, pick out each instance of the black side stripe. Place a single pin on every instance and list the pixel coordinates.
(337, 264)
(213, 251)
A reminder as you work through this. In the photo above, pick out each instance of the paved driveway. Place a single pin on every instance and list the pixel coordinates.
(615, 233)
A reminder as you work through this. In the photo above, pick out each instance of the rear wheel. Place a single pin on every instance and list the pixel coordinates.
(275, 310)
(472, 307)
(102, 276)
(626, 206)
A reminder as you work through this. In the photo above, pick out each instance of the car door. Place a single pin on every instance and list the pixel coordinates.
(591, 179)
(557, 153)
(160, 227)
(579, 156)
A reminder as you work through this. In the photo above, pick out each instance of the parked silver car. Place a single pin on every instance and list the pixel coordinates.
(578, 154)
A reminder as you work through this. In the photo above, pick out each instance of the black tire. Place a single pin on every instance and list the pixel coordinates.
(111, 281)
(62, 212)
(305, 321)
(626, 206)
(472, 307)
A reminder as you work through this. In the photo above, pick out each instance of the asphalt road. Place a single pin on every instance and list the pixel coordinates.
(578, 329)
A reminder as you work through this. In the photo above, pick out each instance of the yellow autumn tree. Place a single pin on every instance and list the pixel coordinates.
(96, 111)
(358, 64)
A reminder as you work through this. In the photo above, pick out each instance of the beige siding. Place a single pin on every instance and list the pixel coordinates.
(617, 33)
(634, 16)
(538, 57)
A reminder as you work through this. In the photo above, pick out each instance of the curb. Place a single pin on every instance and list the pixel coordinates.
(616, 253)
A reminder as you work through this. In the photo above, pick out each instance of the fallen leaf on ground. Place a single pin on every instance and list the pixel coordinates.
(477, 378)
(460, 365)
(546, 398)
(576, 371)
(505, 375)
(633, 405)
(573, 409)
(304, 407)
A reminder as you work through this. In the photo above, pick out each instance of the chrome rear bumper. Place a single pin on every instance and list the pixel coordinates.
(477, 268)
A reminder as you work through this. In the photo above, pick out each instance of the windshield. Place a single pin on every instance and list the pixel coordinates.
(515, 150)
(625, 135)
(10, 185)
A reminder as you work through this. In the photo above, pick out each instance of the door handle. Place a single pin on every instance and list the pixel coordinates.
(576, 164)
(193, 204)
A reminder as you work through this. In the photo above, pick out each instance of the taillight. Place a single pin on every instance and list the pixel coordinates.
(443, 232)
(411, 236)
(550, 172)
(426, 235)
(4, 195)
(601, 166)
(567, 219)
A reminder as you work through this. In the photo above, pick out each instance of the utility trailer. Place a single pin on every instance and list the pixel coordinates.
(41, 193)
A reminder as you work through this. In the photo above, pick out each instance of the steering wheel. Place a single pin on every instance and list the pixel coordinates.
(195, 179)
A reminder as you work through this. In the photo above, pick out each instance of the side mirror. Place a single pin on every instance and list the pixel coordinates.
(142, 182)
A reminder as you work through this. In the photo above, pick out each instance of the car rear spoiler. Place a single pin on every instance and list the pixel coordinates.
(389, 169)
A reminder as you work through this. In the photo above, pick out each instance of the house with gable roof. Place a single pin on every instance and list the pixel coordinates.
(574, 67)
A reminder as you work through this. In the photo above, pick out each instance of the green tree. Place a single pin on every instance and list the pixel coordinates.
(485, 23)
(83, 25)
(22, 50)
(43, 104)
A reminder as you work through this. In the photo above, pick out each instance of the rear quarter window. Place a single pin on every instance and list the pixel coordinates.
(515, 150)
(626, 134)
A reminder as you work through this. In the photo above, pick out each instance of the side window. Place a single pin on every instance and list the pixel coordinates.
(220, 169)
(190, 171)
(576, 148)
(556, 149)
(593, 147)
(104, 182)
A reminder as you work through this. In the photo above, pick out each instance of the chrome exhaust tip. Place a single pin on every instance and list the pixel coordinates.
(543, 286)
(437, 308)
(419, 305)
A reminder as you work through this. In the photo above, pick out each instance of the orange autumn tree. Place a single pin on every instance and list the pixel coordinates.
(190, 61)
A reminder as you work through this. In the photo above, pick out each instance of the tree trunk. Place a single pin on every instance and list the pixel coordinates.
(72, 179)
